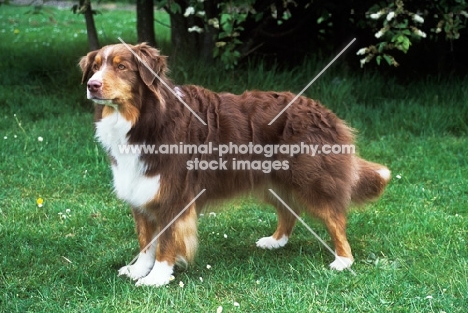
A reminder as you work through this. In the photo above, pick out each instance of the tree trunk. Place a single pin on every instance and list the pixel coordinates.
(145, 22)
(211, 33)
(194, 44)
(93, 40)
(181, 39)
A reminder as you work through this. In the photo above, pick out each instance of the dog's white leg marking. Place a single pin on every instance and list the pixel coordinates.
(341, 263)
(142, 266)
(272, 243)
(160, 275)
(384, 173)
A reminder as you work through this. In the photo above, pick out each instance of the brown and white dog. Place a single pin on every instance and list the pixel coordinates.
(137, 109)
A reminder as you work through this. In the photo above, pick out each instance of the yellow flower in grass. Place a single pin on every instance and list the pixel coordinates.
(16, 31)
(40, 202)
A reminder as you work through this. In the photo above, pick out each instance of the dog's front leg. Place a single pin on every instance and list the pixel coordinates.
(177, 242)
(146, 230)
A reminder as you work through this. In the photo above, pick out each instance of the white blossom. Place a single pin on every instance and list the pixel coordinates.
(40, 139)
(214, 22)
(379, 34)
(195, 29)
(375, 16)
(390, 16)
(418, 19)
(363, 61)
(219, 309)
(420, 33)
(189, 11)
(361, 51)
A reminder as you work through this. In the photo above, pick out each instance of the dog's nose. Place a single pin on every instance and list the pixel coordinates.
(94, 85)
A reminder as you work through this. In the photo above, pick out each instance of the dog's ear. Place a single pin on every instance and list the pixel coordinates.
(152, 63)
(85, 64)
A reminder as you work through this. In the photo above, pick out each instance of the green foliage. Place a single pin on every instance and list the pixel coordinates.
(229, 22)
(400, 27)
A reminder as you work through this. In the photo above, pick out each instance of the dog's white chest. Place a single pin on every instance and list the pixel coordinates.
(130, 183)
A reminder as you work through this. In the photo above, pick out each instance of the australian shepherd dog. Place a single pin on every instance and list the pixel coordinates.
(138, 106)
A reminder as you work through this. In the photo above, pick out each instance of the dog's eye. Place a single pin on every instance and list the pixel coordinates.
(121, 67)
(95, 67)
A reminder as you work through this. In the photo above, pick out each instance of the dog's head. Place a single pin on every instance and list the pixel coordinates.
(116, 74)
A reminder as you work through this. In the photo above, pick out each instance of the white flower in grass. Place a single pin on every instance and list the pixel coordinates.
(5, 137)
(40, 139)
(219, 309)
(189, 11)
(208, 266)
(257, 282)
(418, 19)
(225, 236)
(361, 51)
(429, 297)
(236, 304)
(181, 284)
(398, 176)
(212, 214)
(376, 16)
(195, 29)
(201, 279)
(390, 16)
(171, 278)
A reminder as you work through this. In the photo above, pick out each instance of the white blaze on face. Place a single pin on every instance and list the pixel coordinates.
(99, 74)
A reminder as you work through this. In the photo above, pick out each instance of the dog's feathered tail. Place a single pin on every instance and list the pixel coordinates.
(372, 178)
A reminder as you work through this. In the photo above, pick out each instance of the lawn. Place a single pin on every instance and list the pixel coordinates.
(62, 256)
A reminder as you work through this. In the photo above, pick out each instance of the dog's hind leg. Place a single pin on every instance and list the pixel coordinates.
(335, 221)
(286, 222)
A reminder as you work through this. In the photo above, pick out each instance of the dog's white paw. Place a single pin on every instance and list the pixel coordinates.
(159, 276)
(134, 272)
(272, 243)
(142, 266)
(341, 263)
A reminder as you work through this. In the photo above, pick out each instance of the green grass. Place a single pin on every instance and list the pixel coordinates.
(410, 246)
